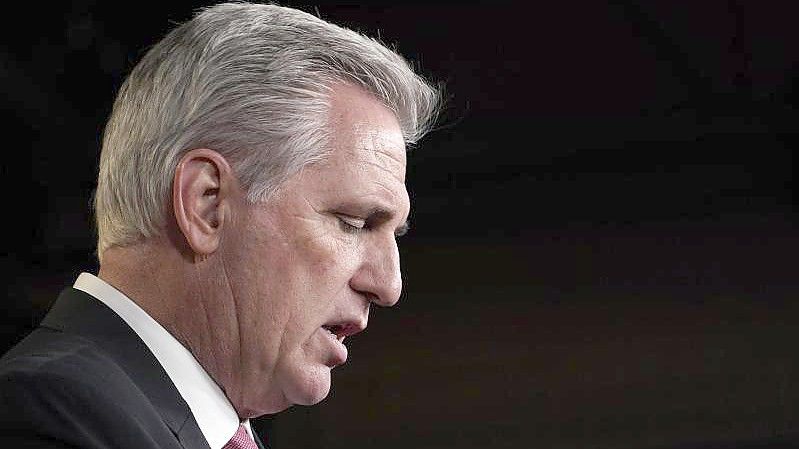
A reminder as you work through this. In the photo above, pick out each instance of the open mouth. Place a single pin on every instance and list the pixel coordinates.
(336, 331)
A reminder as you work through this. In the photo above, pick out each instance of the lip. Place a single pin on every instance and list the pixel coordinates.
(338, 354)
(336, 330)
(345, 328)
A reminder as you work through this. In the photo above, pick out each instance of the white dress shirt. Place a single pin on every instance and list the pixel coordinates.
(212, 410)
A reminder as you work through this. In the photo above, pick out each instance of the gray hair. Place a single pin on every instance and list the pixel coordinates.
(251, 81)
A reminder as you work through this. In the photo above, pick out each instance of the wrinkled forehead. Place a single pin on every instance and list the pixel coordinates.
(379, 147)
(365, 133)
(366, 157)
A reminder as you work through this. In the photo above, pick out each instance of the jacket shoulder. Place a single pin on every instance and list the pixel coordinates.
(65, 390)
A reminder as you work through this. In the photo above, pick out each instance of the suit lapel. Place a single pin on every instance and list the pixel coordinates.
(190, 435)
(258, 440)
(80, 313)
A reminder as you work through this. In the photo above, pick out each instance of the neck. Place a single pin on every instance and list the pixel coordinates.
(182, 296)
(145, 274)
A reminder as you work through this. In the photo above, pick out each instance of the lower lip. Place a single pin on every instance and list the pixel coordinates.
(339, 355)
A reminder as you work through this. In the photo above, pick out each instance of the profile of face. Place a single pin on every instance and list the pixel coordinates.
(302, 268)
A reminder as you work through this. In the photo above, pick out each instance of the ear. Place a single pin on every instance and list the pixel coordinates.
(200, 192)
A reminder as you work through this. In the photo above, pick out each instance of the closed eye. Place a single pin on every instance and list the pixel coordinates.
(352, 225)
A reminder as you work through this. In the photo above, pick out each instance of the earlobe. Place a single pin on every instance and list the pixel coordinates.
(199, 191)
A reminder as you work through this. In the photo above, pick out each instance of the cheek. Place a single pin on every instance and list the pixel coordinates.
(319, 276)
(326, 259)
(331, 272)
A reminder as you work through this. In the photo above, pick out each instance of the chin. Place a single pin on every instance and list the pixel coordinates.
(298, 385)
(309, 387)
(255, 405)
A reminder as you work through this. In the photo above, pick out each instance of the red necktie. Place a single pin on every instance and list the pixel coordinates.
(241, 440)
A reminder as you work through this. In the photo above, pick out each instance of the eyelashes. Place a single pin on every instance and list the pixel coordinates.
(355, 225)
(351, 225)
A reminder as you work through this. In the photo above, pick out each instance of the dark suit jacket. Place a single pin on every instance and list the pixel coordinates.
(84, 379)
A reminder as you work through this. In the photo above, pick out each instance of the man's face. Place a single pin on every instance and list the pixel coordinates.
(303, 267)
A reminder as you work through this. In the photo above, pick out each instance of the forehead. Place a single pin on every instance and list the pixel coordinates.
(365, 169)
(358, 119)
(364, 134)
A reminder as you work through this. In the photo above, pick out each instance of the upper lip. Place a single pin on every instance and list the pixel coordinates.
(345, 328)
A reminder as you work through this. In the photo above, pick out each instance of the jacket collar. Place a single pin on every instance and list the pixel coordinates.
(81, 314)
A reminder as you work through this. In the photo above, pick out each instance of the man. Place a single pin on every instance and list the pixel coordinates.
(250, 191)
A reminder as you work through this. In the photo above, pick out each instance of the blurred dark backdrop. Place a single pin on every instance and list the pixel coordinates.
(604, 239)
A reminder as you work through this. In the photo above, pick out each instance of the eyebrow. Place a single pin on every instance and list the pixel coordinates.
(403, 228)
(381, 214)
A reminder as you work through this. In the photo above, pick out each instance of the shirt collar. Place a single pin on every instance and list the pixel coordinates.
(212, 410)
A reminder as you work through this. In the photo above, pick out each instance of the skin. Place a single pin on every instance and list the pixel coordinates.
(248, 287)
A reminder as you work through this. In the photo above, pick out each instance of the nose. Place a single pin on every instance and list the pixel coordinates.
(379, 277)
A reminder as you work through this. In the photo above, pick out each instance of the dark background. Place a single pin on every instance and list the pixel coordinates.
(604, 239)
